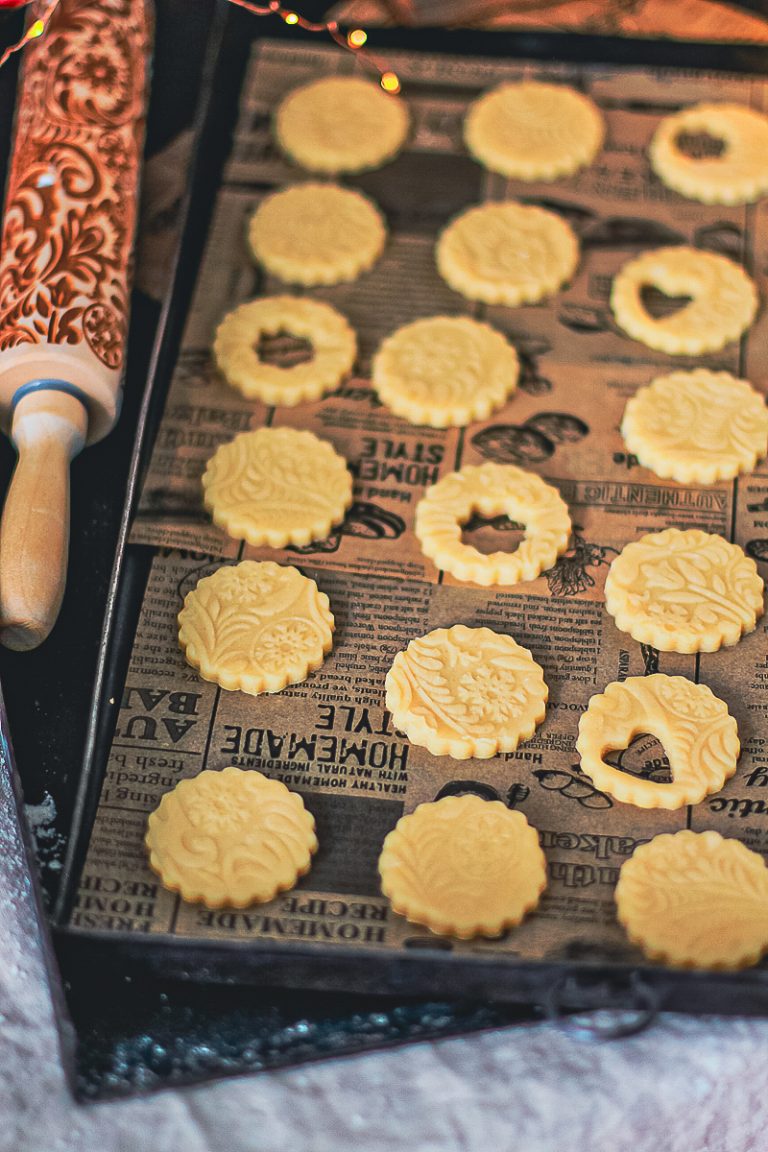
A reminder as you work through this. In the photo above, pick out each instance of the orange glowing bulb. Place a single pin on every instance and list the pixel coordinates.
(390, 83)
(356, 38)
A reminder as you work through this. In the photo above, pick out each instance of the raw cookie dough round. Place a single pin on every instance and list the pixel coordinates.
(463, 866)
(231, 838)
(528, 130)
(493, 490)
(684, 591)
(697, 427)
(700, 738)
(466, 692)
(341, 124)
(317, 234)
(256, 627)
(277, 486)
(723, 300)
(507, 253)
(695, 900)
(445, 371)
(235, 348)
(738, 175)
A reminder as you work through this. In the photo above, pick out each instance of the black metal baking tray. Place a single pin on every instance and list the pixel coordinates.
(581, 980)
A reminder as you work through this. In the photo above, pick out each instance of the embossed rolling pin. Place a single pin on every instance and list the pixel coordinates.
(65, 262)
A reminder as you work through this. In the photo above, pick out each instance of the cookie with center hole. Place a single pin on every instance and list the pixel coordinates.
(722, 305)
(699, 736)
(493, 490)
(737, 175)
(236, 349)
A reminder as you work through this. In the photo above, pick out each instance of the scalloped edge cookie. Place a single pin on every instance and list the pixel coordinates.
(235, 349)
(698, 734)
(492, 490)
(341, 124)
(287, 831)
(422, 891)
(678, 899)
(413, 377)
(253, 491)
(495, 120)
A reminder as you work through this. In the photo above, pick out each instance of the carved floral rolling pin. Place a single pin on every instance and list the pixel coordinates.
(65, 262)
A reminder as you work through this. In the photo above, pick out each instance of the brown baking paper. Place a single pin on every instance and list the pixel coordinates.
(331, 738)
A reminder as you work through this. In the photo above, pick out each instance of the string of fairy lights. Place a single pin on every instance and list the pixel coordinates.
(353, 40)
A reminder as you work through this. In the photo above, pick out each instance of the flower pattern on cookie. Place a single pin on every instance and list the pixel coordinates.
(684, 591)
(463, 866)
(277, 486)
(466, 692)
(697, 427)
(695, 900)
(230, 838)
(256, 627)
(699, 735)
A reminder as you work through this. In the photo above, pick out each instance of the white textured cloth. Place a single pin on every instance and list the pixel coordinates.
(687, 1085)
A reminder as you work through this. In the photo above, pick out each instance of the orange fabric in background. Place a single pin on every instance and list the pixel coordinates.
(683, 19)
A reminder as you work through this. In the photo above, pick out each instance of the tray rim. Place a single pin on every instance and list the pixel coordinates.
(582, 983)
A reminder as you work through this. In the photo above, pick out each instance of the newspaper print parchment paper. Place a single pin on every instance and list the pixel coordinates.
(331, 738)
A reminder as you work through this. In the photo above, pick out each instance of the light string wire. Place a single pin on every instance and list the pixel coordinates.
(353, 40)
(33, 30)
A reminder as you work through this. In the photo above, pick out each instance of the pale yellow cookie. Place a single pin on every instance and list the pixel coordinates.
(466, 692)
(695, 900)
(341, 124)
(236, 349)
(738, 175)
(277, 486)
(723, 300)
(463, 866)
(700, 738)
(507, 253)
(528, 130)
(684, 591)
(317, 234)
(445, 371)
(493, 490)
(697, 427)
(231, 838)
(256, 627)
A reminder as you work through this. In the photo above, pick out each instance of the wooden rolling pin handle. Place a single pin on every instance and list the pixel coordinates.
(49, 428)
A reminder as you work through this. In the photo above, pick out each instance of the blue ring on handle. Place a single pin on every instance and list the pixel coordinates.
(48, 385)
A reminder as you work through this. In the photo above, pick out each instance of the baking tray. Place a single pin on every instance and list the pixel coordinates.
(586, 978)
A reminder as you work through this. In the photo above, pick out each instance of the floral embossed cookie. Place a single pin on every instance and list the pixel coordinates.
(700, 739)
(256, 627)
(230, 838)
(532, 131)
(277, 486)
(737, 175)
(723, 300)
(697, 427)
(317, 234)
(493, 490)
(507, 253)
(695, 900)
(445, 371)
(466, 692)
(235, 348)
(684, 591)
(341, 124)
(463, 866)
